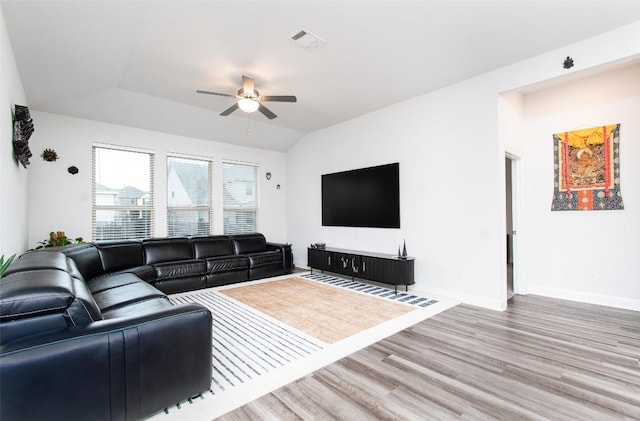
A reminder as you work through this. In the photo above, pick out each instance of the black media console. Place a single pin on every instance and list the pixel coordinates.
(384, 268)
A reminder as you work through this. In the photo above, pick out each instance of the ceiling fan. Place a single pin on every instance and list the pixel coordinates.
(250, 100)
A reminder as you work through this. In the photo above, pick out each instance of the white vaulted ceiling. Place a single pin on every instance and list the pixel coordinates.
(139, 63)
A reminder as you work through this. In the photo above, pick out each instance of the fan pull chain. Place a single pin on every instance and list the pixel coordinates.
(248, 126)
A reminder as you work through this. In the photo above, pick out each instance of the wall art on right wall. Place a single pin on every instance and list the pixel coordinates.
(587, 169)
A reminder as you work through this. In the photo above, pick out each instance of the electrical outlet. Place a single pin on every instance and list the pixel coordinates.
(593, 276)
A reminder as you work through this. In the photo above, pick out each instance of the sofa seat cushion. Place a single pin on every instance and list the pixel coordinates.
(126, 294)
(179, 269)
(186, 283)
(138, 309)
(215, 279)
(103, 283)
(145, 272)
(265, 259)
(226, 263)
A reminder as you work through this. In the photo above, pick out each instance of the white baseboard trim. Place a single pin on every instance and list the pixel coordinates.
(474, 300)
(586, 297)
(493, 304)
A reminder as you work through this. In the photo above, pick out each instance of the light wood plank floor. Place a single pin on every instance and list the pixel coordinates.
(541, 359)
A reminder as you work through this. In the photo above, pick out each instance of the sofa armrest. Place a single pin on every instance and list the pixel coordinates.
(287, 255)
(123, 368)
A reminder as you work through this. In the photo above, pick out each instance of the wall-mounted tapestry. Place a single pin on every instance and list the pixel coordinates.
(587, 169)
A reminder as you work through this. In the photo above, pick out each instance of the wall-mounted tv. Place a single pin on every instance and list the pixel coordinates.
(365, 197)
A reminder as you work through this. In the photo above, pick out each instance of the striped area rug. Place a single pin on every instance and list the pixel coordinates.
(253, 353)
(371, 289)
(246, 344)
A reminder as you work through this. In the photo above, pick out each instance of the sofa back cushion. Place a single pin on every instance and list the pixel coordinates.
(214, 246)
(249, 243)
(38, 260)
(119, 254)
(86, 258)
(167, 250)
(39, 300)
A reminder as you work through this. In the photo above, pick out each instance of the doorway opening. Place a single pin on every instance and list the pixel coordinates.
(510, 230)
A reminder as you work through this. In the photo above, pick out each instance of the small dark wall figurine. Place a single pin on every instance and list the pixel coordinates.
(22, 130)
(73, 170)
(49, 155)
(568, 63)
(268, 175)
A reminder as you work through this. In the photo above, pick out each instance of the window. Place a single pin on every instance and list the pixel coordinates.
(240, 201)
(188, 197)
(122, 194)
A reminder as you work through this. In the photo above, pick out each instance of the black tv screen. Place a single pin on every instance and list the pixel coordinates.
(366, 197)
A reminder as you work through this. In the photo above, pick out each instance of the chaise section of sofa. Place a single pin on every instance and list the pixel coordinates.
(116, 350)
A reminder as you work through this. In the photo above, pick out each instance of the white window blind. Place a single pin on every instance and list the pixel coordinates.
(240, 186)
(122, 194)
(189, 210)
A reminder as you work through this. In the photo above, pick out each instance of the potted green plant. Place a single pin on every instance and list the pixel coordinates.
(4, 263)
(57, 239)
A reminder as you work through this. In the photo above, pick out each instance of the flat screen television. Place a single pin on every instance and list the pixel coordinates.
(365, 197)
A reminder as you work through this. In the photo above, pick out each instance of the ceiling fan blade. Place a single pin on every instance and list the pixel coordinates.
(215, 93)
(281, 98)
(267, 112)
(230, 110)
(248, 85)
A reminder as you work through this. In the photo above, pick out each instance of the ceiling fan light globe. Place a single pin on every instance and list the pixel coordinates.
(248, 105)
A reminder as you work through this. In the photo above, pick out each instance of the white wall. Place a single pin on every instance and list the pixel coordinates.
(60, 201)
(448, 188)
(451, 146)
(13, 177)
(585, 256)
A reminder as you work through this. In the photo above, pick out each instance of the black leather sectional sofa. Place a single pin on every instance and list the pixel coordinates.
(88, 332)
(184, 264)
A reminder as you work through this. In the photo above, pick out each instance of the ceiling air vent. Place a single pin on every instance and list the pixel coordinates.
(307, 40)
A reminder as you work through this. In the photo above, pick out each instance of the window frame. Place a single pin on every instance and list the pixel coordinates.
(208, 208)
(235, 208)
(149, 207)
